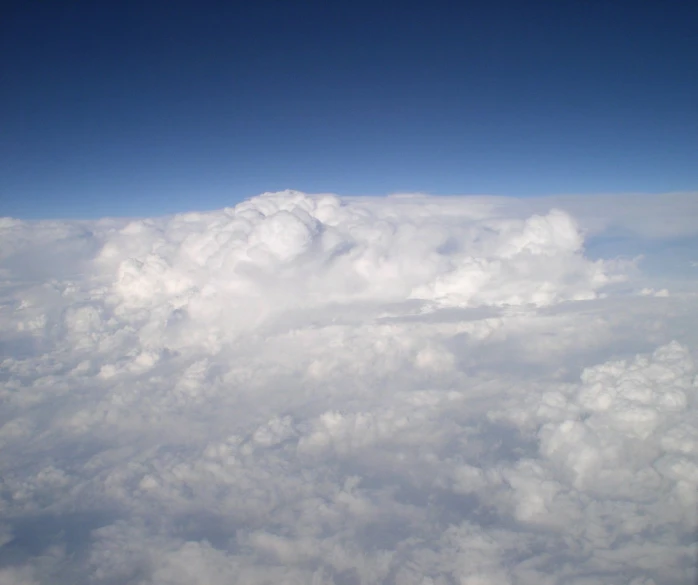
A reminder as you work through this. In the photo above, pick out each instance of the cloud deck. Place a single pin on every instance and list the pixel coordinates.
(315, 389)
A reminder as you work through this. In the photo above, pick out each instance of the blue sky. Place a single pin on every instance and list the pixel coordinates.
(125, 109)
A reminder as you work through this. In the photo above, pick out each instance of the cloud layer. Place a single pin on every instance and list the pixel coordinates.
(310, 389)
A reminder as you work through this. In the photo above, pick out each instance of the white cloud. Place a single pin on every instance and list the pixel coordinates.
(310, 389)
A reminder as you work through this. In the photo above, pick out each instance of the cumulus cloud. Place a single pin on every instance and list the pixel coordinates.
(315, 389)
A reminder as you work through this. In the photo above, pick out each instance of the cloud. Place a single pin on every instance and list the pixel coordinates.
(315, 389)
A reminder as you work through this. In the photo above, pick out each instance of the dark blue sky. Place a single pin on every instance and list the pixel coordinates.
(151, 107)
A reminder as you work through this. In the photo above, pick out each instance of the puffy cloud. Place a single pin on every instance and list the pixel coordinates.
(314, 389)
(289, 250)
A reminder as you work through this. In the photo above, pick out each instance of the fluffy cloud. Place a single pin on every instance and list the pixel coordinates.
(310, 389)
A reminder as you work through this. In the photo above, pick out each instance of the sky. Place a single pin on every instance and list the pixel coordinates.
(314, 389)
(149, 108)
(348, 293)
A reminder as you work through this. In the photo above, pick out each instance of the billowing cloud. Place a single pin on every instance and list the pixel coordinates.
(314, 389)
